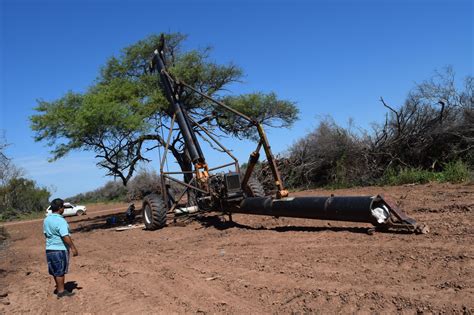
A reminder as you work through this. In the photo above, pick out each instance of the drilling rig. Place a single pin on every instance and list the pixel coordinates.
(209, 189)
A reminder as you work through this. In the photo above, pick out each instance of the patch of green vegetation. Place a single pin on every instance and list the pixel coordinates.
(339, 185)
(407, 176)
(31, 216)
(21, 198)
(456, 172)
(453, 172)
(8, 217)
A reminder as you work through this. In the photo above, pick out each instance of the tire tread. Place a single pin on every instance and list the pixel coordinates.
(158, 212)
(255, 188)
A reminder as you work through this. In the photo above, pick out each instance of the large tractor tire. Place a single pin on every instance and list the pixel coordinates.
(154, 212)
(254, 188)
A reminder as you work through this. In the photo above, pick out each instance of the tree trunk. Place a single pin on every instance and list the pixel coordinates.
(186, 165)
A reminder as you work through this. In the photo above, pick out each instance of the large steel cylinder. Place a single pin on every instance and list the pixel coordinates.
(353, 209)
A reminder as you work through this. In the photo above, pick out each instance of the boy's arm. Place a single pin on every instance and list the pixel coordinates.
(64, 232)
(68, 240)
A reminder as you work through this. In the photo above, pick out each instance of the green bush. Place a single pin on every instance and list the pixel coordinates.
(455, 172)
(143, 183)
(407, 176)
(7, 213)
(112, 191)
(21, 197)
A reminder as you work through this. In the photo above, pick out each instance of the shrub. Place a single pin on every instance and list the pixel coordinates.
(407, 176)
(419, 141)
(455, 172)
(21, 196)
(143, 183)
(330, 154)
(111, 191)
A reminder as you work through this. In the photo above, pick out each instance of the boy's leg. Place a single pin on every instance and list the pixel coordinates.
(59, 283)
(58, 263)
(65, 266)
(55, 285)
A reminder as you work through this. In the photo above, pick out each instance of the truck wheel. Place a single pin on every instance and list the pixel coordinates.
(80, 212)
(154, 212)
(254, 188)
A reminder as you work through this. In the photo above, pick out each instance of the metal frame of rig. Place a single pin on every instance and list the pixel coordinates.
(231, 192)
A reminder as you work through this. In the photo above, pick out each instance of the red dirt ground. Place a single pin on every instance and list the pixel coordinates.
(258, 265)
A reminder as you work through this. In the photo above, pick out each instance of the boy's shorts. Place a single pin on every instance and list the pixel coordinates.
(58, 262)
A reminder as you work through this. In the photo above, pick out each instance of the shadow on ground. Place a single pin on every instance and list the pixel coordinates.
(219, 223)
(71, 286)
(103, 222)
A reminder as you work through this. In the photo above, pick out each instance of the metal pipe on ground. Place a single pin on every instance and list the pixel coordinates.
(367, 209)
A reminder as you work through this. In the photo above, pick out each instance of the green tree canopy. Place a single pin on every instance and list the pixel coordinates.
(119, 117)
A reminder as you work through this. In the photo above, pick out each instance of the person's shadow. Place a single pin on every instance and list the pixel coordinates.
(72, 285)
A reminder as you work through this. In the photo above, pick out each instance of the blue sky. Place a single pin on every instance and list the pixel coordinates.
(331, 57)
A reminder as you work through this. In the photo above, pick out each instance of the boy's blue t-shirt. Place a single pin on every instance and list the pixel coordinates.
(54, 228)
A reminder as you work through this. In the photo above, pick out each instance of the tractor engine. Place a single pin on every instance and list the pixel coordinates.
(224, 190)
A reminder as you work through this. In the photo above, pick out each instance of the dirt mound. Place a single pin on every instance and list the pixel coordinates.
(256, 264)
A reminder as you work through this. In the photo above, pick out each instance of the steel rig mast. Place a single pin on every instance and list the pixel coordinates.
(232, 192)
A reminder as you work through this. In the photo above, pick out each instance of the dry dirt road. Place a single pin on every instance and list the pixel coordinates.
(256, 265)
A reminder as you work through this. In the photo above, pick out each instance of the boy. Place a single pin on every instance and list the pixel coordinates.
(58, 244)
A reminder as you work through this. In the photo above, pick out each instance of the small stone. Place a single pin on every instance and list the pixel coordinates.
(425, 230)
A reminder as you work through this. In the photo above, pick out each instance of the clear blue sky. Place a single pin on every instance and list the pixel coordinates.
(331, 57)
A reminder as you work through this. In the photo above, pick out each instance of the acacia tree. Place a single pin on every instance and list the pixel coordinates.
(122, 114)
